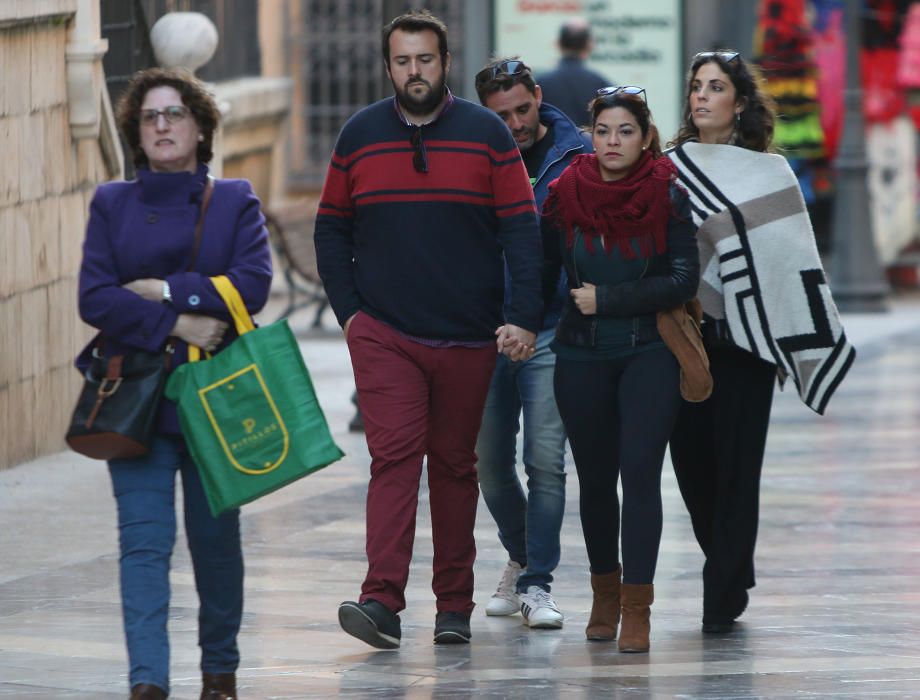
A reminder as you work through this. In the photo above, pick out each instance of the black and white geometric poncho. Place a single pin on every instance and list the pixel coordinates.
(760, 269)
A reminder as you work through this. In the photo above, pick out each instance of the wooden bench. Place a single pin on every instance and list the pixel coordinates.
(291, 232)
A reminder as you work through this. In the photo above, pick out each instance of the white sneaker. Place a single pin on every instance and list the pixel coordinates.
(539, 609)
(505, 600)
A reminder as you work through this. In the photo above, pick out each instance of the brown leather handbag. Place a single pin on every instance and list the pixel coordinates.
(679, 328)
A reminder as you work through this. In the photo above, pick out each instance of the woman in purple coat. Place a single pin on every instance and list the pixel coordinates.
(137, 289)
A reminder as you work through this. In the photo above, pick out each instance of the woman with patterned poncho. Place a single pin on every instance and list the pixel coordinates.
(768, 312)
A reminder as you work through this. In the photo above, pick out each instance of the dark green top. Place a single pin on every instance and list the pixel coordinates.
(614, 336)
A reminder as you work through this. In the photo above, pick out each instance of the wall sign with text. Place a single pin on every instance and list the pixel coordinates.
(636, 42)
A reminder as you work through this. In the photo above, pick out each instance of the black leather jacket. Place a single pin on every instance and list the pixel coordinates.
(670, 279)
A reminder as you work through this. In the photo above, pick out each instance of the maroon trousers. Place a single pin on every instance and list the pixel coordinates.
(416, 401)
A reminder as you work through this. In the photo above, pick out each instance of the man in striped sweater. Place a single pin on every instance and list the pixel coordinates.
(424, 195)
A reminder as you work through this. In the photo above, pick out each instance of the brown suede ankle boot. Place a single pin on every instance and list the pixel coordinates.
(605, 610)
(218, 686)
(635, 601)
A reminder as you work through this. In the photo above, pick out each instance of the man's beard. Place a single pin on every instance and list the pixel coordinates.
(424, 104)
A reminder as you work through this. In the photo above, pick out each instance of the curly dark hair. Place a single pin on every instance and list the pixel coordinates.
(636, 106)
(504, 81)
(194, 95)
(755, 127)
(412, 22)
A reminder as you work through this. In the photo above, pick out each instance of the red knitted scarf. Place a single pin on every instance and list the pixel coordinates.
(634, 208)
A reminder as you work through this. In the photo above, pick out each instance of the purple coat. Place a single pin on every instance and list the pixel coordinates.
(145, 228)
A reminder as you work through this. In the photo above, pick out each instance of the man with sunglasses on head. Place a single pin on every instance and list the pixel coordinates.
(528, 524)
(424, 194)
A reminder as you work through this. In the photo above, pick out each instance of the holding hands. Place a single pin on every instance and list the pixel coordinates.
(515, 342)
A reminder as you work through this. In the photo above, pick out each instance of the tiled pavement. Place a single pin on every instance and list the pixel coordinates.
(836, 612)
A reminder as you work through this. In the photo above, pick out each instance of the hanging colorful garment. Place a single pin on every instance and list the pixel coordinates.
(891, 149)
(883, 99)
(830, 52)
(784, 46)
(909, 62)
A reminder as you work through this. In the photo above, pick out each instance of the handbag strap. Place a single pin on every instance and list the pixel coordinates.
(199, 225)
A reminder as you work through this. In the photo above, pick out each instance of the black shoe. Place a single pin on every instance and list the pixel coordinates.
(371, 622)
(356, 425)
(452, 628)
(722, 621)
(718, 626)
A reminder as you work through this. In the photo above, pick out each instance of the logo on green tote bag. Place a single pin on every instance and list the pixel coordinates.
(258, 442)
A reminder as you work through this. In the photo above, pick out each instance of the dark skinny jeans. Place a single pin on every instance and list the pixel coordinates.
(618, 415)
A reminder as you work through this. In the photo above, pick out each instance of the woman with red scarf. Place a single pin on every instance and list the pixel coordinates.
(621, 226)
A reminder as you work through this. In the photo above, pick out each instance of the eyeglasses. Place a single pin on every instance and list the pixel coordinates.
(503, 68)
(621, 89)
(420, 157)
(727, 56)
(172, 115)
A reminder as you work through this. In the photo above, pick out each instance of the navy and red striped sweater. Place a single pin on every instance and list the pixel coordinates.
(422, 252)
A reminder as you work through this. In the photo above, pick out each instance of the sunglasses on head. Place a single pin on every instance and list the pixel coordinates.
(420, 156)
(621, 90)
(727, 56)
(503, 68)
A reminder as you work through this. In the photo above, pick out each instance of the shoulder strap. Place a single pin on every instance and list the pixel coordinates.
(205, 201)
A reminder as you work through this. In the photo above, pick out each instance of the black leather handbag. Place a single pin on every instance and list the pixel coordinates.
(115, 416)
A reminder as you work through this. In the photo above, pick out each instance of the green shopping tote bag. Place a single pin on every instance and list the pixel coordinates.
(249, 414)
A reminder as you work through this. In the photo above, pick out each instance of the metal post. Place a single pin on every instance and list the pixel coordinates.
(857, 280)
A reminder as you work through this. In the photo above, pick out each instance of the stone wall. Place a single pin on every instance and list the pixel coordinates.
(47, 178)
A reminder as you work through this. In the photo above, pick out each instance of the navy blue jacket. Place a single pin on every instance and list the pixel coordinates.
(571, 86)
(145, 228)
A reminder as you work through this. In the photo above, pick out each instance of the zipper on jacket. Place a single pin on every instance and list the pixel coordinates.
(578, 282)
(550, 165)
(635, 320)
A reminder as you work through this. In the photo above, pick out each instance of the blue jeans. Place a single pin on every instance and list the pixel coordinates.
(528, 525)
(144, 491)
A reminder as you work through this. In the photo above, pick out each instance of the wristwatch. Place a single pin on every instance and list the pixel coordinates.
(167, 295)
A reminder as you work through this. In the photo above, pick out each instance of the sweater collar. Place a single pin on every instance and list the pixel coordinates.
(172, 188)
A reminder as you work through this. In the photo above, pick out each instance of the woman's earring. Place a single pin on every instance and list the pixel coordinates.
(737, 118)
(201, 137)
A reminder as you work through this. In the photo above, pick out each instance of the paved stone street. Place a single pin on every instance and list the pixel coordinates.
(836, 612)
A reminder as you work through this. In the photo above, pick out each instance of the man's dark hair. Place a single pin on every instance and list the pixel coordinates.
(502, 80)
(574, 38)
(412, 22)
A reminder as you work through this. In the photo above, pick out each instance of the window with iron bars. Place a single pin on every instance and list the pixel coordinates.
(334, 56)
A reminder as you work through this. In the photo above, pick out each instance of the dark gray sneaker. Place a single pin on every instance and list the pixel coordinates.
(452, 628)
(371, 622)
